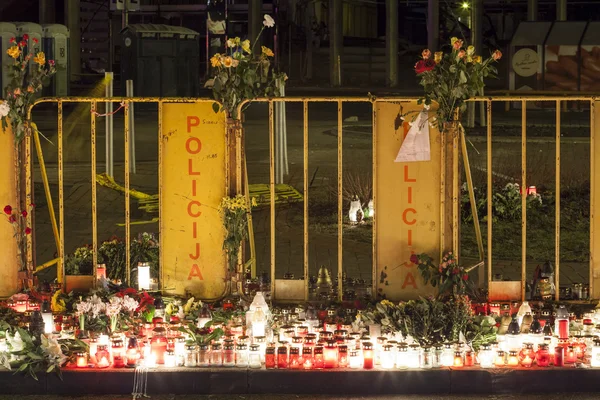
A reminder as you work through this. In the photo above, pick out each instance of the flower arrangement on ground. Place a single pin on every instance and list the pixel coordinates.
(26, 80)
(452, 78)
(242, 74)
(447, 276)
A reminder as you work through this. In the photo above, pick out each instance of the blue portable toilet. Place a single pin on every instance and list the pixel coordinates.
(56, 47)
(7, 31)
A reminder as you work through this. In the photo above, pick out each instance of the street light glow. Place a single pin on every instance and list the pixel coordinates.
(465, 5)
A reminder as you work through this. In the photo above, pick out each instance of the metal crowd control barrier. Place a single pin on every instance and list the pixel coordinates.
(594, 270)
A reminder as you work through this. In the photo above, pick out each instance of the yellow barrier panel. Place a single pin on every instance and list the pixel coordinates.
(192, 172)
(8, 196)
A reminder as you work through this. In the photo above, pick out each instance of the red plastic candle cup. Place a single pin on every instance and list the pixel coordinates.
(559, 356)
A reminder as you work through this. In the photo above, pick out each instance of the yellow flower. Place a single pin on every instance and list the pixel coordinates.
(437, 57)
(40, 58)
(58, 305)
(254, 202)
(453, 40)
(477, 59)
(215, 60)
(470, 50)
(14, 52)
(227, 61)
(246, 46)
(267, 51)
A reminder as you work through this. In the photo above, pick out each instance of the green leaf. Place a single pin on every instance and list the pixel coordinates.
(216, 107)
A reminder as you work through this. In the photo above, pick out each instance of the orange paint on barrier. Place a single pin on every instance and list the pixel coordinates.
(197, 255)
(188, 145)
(192, 121)
(406, 178)
(404, 216)
(409, 280)
(195, 272)
(190, 168)
(189, 209)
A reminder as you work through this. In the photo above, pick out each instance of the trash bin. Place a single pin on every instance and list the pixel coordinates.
(56, 47)
(162, 60)
(7, 31)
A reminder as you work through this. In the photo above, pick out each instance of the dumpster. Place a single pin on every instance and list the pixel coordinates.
(7, 31)
(56, 46)
(162, 60)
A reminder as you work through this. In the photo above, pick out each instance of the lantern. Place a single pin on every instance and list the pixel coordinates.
(118, 353)
(513, 359)
(241, 356)
(458, 359)
(133, 352)
(386, 356)
(542, 357)
(101, 272)
(259, 320)
(486, 356)
(447, 358)
(282, 357)
(570, 355)
(368, 355)
(81, 359)
(158, 344)
(562, 323)
(143, 276)
(270, 357)
(355, 361)
(170, 359)
(426, 358)
(414, 356)
(318, 360)
(254, 356)
(499, 360)
(204, 317)
(47, 317)
(356, 211)
(102, 357)
(330, 355)
(559, 356)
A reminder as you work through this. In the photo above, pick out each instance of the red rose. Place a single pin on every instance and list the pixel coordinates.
(27, 230)
(24, 214)
(13, 40)
(51, 63)
(455, 271)
(8, 210)
(22, 43)
(424, 66)
(12, 219)
(32, 205)
(25, 37)
(35, 40)
(465, 277)
(414, 259)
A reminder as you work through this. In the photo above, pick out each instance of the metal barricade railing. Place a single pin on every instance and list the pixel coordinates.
(58, 229)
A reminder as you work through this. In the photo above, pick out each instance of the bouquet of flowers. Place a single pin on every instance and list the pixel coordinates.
(452, 78)
(448, 276)
(235, 220)
(26, 80)
(242, 74)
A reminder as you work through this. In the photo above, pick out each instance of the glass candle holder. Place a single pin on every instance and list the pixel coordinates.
(414, 356)
(307, 357)
(318, 362)
(386, 355)
(282, 357)
(133, 352)
(486, 356)
(499, 360)
(469, 358)
(203, 355)
(241, 356)
(570, 355)
(458, 359)
(81, 358)
(158, 344)
(118, 354)
(542, 357)
(527, 355)
(228, 355)
(447, 358)
(330, 355)
(295, 358)
(513, 359)
(559, 356)
(191, 356)
(216, 355)
(270, 357)
(343, 356)
(102, 356)
(180, 350)
(367, 348)
(170, 358)
(426, 358)
(254, 356)
(436, 361)
(402, 356)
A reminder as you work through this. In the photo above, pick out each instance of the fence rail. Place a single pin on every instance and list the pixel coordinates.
(59, 233)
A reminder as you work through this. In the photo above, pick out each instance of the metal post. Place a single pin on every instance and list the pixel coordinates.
(72, 9)
(433, 24)
(108, 77)
(47, 12)
(336, 41)
(476, 40)
(309, 40)
(129, 88)
(391, 41)
(254, 19)
(532, 10)
(125, 17)
(561, 11)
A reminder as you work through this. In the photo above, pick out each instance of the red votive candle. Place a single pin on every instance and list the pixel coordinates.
(559, 356)
(367, 355)
(270, 357)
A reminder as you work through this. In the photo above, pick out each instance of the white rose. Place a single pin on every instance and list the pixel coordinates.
(269, 22)
(4, 109)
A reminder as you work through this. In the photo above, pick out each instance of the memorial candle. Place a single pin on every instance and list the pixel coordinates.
(330, 355)
(368, 355)
(82, 359)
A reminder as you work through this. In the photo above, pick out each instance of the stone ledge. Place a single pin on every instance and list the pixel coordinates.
(246, 381)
